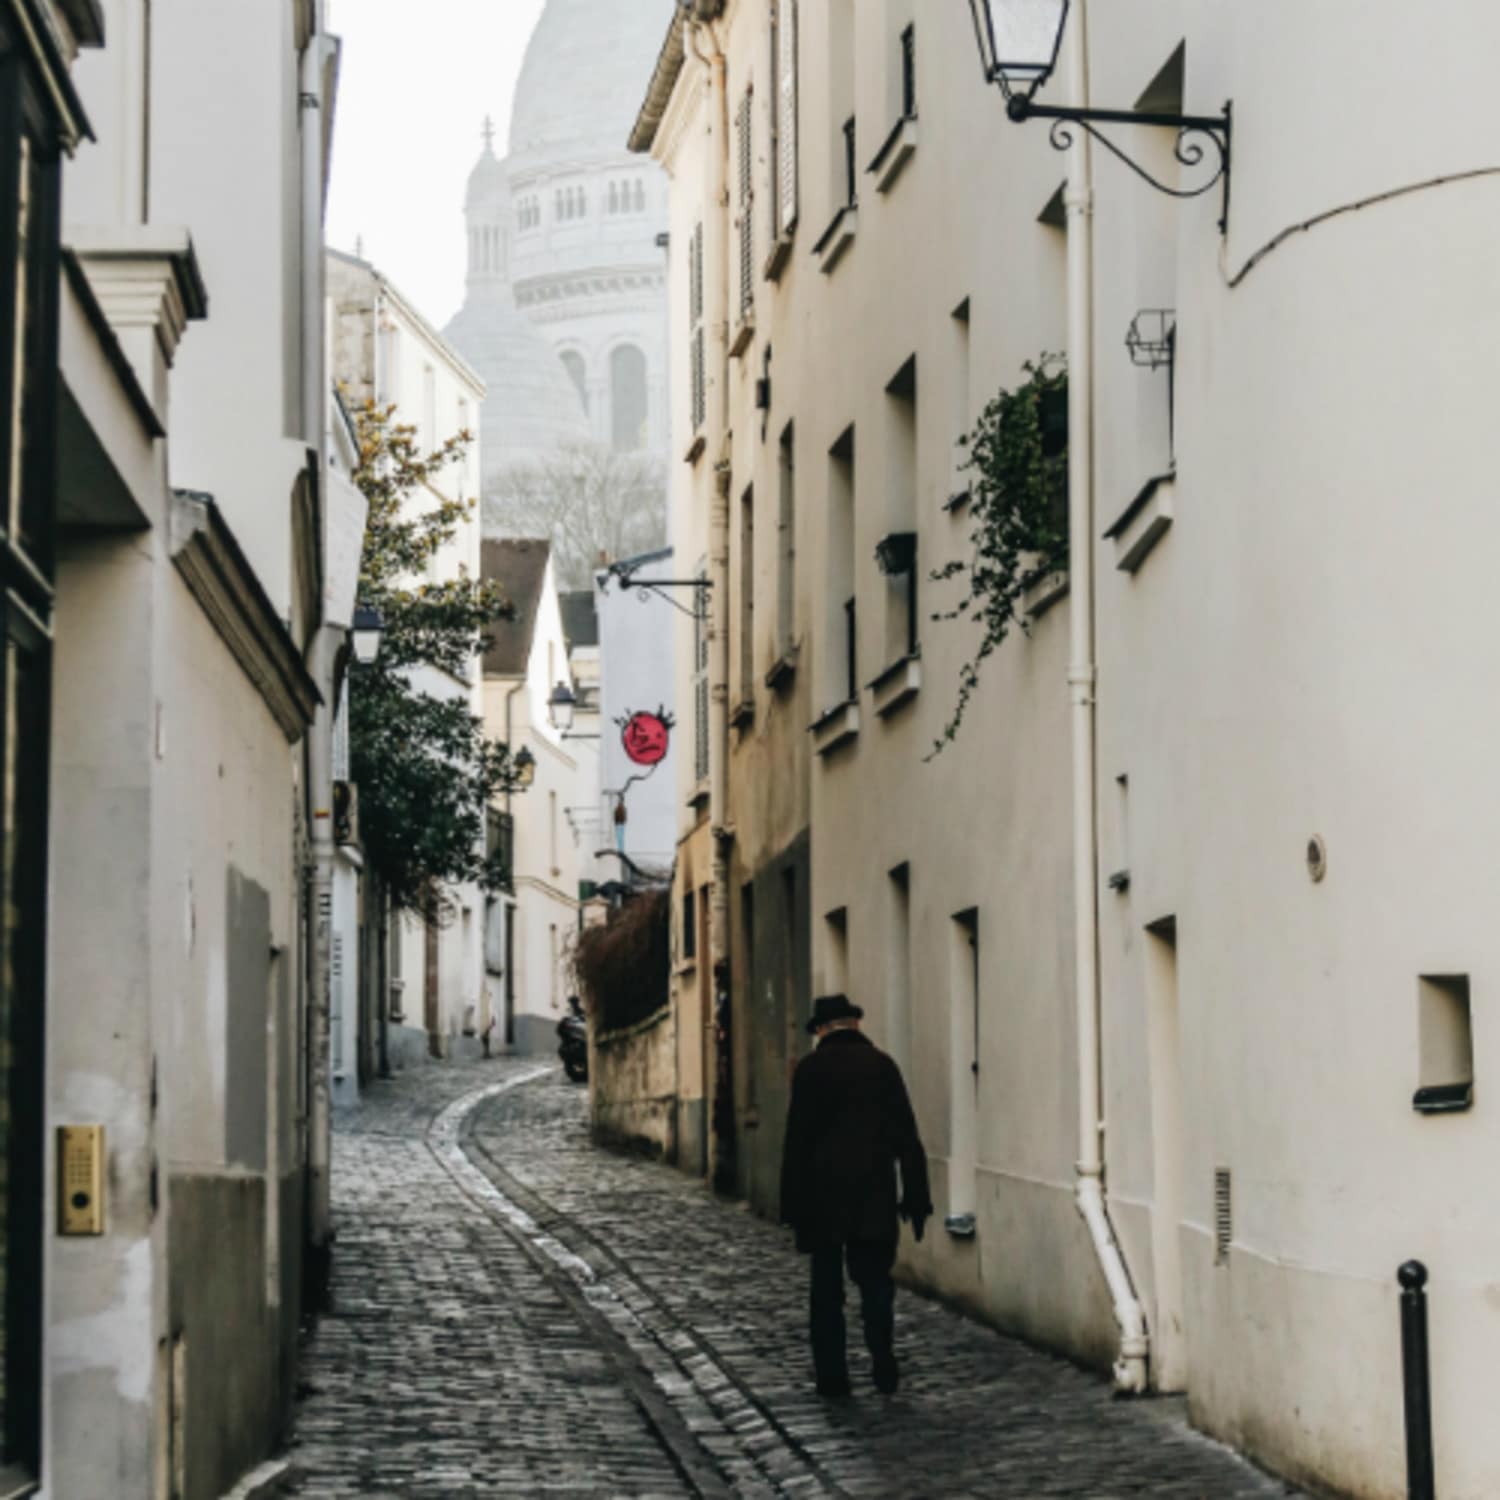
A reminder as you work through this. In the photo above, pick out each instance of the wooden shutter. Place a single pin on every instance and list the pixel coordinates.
(696, 342)
(786, 116)
(747, 204)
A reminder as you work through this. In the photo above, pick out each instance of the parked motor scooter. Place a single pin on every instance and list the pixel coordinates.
(573, 1041)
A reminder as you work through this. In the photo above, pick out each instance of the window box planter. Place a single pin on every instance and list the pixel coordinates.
(894, 153)
(783, 669)
(837, 727)
(781, 253)
(742, 715)
(1044, 590)
(837, 238)
(897, 685)
(1144, 522)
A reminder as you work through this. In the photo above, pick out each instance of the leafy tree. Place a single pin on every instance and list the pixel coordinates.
(425, 770)
(593, 502)
(1018, 462)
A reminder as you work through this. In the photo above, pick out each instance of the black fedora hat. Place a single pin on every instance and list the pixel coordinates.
(830, 1008)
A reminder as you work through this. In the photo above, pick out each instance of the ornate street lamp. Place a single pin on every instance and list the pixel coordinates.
(366, 634)
(561, 707)
(1019, 45)
(523, 768)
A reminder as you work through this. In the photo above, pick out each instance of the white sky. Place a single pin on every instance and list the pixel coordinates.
(418, 78)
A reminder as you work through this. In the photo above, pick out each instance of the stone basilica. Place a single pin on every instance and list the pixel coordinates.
(565, 308)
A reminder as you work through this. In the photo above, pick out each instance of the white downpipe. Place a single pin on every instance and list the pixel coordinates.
(1131, 1366)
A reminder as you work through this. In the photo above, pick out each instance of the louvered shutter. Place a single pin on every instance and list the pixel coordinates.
(696, 346)
(747, 205)
(786, 122)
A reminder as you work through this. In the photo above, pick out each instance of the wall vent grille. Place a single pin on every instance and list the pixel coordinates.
(1223, 1215)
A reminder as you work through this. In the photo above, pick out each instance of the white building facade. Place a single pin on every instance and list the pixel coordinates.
(385, 351)
(1180, 927)
(181, 597)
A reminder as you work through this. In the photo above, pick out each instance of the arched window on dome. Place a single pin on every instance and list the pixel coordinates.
(583, 203)
(640, 196)
(628, 408)
(572, 362)
(614, 198)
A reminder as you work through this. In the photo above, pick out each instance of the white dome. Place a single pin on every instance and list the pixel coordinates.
(585, 74)
(530, 403)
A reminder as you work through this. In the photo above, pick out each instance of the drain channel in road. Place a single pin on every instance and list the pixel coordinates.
(720, 1437)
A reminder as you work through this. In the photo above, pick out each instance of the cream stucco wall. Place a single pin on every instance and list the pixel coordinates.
(1294, 659)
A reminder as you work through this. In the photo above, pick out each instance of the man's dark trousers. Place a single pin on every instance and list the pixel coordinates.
(870, 1265)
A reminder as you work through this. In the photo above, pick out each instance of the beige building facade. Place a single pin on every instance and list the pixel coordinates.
(1176, 929)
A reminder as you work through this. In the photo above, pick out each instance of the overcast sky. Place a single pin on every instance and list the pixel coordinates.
(419, 76)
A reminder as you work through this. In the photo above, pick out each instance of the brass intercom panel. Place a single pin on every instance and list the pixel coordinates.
(80, 1179)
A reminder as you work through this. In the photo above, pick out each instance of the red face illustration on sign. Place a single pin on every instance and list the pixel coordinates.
(646, 737)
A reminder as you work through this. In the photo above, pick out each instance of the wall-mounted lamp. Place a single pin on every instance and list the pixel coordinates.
(1019, 44)
(366, 634)
(562, 706)
(523, 768)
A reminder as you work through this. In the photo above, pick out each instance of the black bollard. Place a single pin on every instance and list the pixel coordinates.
(1420, 1482)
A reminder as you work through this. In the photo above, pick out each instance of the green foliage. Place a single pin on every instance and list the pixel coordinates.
(425, 771)
(624, 966)
(1018, 466)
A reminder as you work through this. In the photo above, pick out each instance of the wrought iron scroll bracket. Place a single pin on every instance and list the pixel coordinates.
(657, 587)
(1197, 137)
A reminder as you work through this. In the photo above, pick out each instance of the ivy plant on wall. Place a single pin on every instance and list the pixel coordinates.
(1017, 463)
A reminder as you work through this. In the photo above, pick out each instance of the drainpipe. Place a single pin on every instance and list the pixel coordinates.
(716, 315)
(324, 654)
(1130, 1369)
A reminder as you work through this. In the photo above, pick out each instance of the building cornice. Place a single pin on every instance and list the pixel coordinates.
(221, 579)
(540, 291)
(144, 278)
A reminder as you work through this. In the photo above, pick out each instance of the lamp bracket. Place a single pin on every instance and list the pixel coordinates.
(624, 574)
(1190, 150)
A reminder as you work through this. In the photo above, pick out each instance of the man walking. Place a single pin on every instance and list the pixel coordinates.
(849, 1126)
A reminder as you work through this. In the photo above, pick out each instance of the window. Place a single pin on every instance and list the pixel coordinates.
(628, 399)
(697, 350)
(841, 622)
(786, 545)
(963, 1079)
(840, 94)
(614, 197)
(747, 597)
(958, 485)
(898, 969)
(29, 272)
(640, 196)
(689, 934)
(552, 832)
(784, 116)
(700, 676)
(745, 197)
(573, 363)
(898, 557)
(851, 164)
(836, 952)
(909, 73)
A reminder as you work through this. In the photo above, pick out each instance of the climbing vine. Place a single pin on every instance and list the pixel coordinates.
(1017, 463)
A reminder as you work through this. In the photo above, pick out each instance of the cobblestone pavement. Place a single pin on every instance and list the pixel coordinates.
(518, 1313)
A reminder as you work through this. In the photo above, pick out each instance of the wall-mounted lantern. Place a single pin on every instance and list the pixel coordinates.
(1019, 45)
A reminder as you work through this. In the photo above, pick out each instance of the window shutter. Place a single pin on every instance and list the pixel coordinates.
(696, 348)
(786, 122)
(746, 202)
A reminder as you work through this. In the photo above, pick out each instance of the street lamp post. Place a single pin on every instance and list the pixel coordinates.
(1019, 45)
(366, 634)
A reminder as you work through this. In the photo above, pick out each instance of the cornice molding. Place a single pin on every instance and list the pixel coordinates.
(220, 578)
(144, 278)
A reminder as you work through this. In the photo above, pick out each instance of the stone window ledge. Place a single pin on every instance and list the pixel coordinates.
(836, 727)
(898, 148)
(837, 238)
(897, 685)
(1143, 523)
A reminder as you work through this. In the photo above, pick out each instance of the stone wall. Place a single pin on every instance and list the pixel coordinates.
(633, 1086)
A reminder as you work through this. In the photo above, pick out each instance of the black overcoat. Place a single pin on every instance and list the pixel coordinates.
(850, 1125)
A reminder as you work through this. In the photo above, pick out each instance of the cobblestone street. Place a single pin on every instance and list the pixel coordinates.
(518, 1313)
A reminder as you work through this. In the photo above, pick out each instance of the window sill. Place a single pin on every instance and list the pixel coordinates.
(699, 799)
(897, 685)
(1045, 590)
(783, 669)
(686, 967)
(958, 501)
(837, 238)
(742, 715)
(695, 451)
(837, 727)
(1143, 523)
(781, 253)
(961, 1226)
(744, 336)
(894, 154)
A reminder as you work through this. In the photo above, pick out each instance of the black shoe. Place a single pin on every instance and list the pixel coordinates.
(834, 1388)
(887, 1374)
